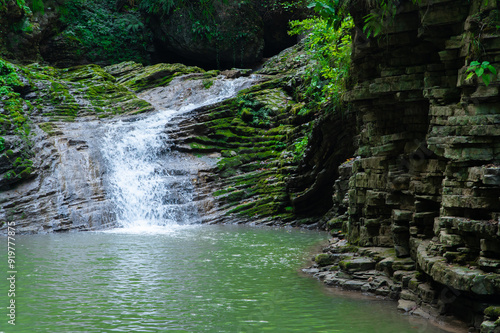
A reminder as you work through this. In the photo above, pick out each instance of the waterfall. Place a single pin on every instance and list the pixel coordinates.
(150, 185)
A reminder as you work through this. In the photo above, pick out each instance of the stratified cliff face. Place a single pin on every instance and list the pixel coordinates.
(51, 163)
(426, 181)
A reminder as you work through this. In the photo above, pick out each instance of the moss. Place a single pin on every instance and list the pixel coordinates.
(223, 191)
(242, 207)
(345, 264)
(48, 128)
(262, 207)
(413, 284)
(207, 83)
(492, 311)
(82, 91)
(156, 75)
(246, 115)
(21, 169)
(204, 148)
(420, 276)
(348, 249)
(335, 223)
(324, 259)
(25, 173)
(15, 123)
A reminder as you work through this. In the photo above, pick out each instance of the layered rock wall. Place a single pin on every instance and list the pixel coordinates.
(427, 179)
(52, 169)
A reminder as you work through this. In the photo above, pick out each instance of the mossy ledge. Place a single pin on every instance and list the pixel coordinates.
(36, 97)
(253, 136)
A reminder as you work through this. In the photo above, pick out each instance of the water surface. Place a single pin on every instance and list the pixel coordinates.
(184, 279)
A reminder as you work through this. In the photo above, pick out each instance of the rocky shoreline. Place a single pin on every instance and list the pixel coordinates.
(378, 272)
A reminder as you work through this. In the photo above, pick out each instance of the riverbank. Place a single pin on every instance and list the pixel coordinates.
(377, 272)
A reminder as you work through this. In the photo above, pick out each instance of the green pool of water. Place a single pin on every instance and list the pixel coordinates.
(183, 279)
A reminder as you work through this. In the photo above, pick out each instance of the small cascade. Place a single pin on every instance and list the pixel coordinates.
(150, 185)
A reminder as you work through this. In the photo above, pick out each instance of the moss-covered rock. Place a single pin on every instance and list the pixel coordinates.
(493, 312)
(254, 137)
(41, 96)
(64, 94)
(324, 259)
(15, 127)
(357, 264)
(139, 78)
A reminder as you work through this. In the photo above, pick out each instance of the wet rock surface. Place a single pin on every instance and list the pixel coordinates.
(53, 172)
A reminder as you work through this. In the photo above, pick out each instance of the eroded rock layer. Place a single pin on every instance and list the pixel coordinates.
(425, 183)
(51, 160)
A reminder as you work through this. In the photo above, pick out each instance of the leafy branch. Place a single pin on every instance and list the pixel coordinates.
(483, 70)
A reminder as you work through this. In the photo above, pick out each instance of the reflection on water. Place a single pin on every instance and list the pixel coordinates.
(185, 279)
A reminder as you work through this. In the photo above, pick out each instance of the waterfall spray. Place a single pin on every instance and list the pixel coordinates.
(150, 184)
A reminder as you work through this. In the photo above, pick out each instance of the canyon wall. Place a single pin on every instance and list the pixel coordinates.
(426, 179)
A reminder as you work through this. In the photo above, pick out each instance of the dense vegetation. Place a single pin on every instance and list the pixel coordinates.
(108, 31)
(330, 48)
(107, 34)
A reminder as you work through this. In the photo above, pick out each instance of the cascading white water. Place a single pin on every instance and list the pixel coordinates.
(150, 185)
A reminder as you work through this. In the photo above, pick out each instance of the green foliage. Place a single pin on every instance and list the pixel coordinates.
(107, 35)
(22, 14)
(38, 7)
(280, 5)
(300, 148)
(207, 25)
(332, 11)
(213, 21)
(20, 4)
(252, 112)
(330, 48)
(164, 7)
(161, 7)
(483, 24)
(381, 14)
(483, 70)
(14, 121)
(9, 80)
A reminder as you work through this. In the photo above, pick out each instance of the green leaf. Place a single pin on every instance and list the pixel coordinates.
(474, 63)
(492, 69)
(486, 79)
(471, 74)
(479, 71)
